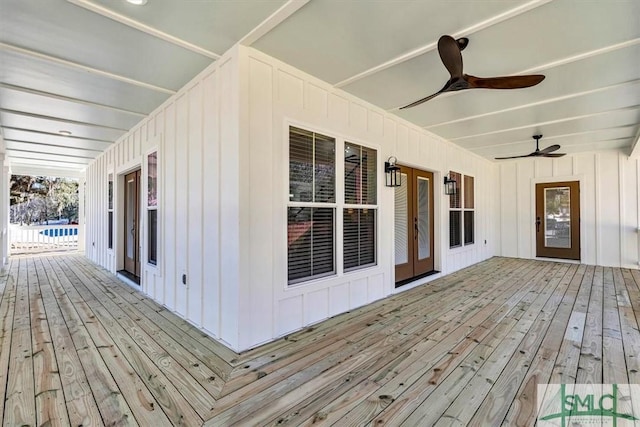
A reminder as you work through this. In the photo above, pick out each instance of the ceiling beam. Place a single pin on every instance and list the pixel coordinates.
(41, 170)
(102, 73)
(58, 119)
(69, 99)
(549, 122)
(536, 104)
(137, 25)
(275, 19)
(511, 13)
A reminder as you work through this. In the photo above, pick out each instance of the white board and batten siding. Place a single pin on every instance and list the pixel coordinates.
(278, 96)
(223, 185)
(198, 207)
(609, 205)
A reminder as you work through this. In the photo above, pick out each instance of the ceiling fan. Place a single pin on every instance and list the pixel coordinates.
(449, 50)
(545, 152)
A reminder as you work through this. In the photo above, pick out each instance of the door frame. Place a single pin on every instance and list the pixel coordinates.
(118, 213)
(137, 213)
(532, 213)
(439, 204)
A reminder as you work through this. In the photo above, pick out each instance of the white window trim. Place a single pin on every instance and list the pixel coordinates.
(339, 205)
(145, 194)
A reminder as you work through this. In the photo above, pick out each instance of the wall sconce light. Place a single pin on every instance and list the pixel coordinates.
(393, 178)
(449, 186)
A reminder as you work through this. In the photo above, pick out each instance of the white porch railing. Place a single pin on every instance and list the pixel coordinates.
(42, 238)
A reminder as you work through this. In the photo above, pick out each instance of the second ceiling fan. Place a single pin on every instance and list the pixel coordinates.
(450, 53)
(545, 152)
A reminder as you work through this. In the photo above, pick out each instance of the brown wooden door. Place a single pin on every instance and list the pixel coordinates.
(414, 224)
(131, 223)
(558, 220)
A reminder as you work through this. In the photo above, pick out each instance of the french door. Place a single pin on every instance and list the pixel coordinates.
(413, 224)
(131, 223)
(558, 220)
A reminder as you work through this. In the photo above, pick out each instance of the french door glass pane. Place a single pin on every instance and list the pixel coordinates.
(557, 217)
(424, 238)
(401, 227)
(131, 209)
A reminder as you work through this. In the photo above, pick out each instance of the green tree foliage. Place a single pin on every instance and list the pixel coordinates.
(40, 199)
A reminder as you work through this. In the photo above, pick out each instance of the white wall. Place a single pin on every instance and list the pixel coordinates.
(609, 205)
(223, 173)
(274, 95)
(196, 134)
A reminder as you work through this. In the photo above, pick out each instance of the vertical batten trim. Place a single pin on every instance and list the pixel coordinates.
(596, 173)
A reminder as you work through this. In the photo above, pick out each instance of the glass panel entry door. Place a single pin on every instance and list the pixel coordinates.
(131, 223)
(558, 220)
(413, 224)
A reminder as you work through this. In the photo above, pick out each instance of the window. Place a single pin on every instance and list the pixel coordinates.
(110, 210)
(152, 208)
(359, 213)
(312, 208)
(462, 211)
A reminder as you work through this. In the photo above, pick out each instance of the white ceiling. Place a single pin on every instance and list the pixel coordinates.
(97, 67)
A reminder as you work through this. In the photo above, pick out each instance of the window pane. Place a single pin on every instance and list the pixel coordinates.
(153, 236)
(310, 238)
(325, 169)
(454, 200)
(110, 230)
(369, 176)
(352, 174)
(359, 175)
(468, 227)
(152, 179)
(400, 221)
(110, 194)
(312, 159)
(557, 213)
(468, 192)
(359, 237)
(424, 225)
(454, 228)
(300, 165)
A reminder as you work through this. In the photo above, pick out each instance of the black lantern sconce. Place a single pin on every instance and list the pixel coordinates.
(449, 186)
(393, 178)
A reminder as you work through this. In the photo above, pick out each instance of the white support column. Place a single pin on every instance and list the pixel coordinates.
(5, 182)
(81, 209)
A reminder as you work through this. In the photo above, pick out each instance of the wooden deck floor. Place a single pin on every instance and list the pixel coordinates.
(80, 348)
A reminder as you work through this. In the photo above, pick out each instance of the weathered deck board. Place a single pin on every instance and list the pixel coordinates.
(78, 347)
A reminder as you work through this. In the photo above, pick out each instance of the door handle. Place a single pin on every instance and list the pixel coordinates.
(415, 227)
(538, 224)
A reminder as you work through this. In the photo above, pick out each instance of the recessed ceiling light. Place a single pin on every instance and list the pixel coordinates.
(64, 132)
(137, 2)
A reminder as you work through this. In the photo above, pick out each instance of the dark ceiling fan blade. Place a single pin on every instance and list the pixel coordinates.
(510, 82)
(512, 157)
(449, 51)
(420, 101)
(550, 149)
(446, 88)
(545, 152)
